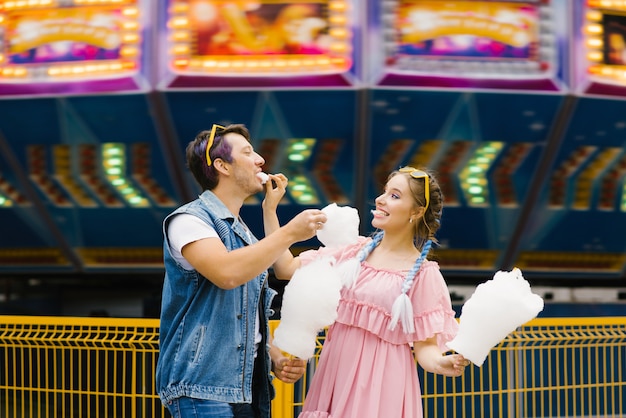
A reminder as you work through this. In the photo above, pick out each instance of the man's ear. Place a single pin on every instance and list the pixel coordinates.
(222, 166)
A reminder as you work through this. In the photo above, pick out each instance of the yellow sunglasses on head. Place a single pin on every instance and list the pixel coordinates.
(209, 143)
(419, 174)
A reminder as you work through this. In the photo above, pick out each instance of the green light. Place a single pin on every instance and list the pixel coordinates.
(299, 146)
(114, 165)
(112, 150)
(113, 171)
(475, 190)
(114, 161)
(298, 153)
(473, 177)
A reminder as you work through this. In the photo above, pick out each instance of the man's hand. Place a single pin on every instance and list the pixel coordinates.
(289, 370)
(275, 189)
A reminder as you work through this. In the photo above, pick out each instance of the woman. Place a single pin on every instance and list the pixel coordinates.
(396, 311)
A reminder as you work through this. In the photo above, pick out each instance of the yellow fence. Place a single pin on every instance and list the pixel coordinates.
(104, 367)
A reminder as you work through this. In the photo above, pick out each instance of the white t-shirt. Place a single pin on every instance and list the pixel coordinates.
(184, 229)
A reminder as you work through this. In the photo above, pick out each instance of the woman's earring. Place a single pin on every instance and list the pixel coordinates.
(410, 220)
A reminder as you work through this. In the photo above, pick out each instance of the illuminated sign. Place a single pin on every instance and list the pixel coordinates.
(470, 38)
(55, 40)
(263, 38)
(605, 41)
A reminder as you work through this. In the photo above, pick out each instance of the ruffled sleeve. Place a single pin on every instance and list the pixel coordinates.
(432, 307)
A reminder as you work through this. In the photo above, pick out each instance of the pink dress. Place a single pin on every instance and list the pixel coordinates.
(365, 370)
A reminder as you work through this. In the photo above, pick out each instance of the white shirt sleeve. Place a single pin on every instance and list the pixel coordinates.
(184, 229)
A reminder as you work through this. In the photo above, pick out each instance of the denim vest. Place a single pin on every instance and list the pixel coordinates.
(207, 333)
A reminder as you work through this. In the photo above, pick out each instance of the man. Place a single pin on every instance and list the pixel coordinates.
(215, 351)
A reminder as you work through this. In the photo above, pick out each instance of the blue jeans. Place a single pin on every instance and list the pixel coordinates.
(200, 408)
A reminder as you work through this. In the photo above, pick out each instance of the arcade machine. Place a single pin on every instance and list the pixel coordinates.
(87, 190)
(471, 90)
(574, 231)
(288, 71)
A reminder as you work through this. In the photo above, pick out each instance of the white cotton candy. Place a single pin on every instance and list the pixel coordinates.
(311, 298)
(263, 177)
(348, 271)
(341, 227)
(495, 309)
(309, 304)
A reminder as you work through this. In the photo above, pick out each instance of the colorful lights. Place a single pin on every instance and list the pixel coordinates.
(474, 175)
(585, 184)
(5, 201)
(502, 178)
(9, 195)
(94, 175)
(326, 159)
(452, 161)
(460, 38)
(114, 167)
(609, 4)
(302, 191)
(612, 192)
(105, 38)
(605, 45)
(142, 175)
(561, 176)
(227, 38)
(297, 154)
(64, 175)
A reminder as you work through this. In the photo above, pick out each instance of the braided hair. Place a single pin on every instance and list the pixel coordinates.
(424, 238)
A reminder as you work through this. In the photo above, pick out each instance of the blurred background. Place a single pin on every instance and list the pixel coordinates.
(517, 106)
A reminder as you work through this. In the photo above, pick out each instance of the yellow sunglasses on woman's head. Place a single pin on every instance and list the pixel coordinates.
(419, 174)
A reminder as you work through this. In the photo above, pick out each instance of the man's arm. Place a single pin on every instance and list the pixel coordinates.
(286, 264)
(230, 269)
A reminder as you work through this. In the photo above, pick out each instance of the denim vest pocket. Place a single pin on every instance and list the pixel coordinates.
(197, 344)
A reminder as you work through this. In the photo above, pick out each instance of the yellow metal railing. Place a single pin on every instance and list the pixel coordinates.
(104, 367)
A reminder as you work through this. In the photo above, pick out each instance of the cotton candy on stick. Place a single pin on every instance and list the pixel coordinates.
(311, 298)
(341, 229)
(495, 309)
(309, 304)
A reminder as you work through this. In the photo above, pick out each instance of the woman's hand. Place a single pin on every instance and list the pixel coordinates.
(429, 356)
(452, 365)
